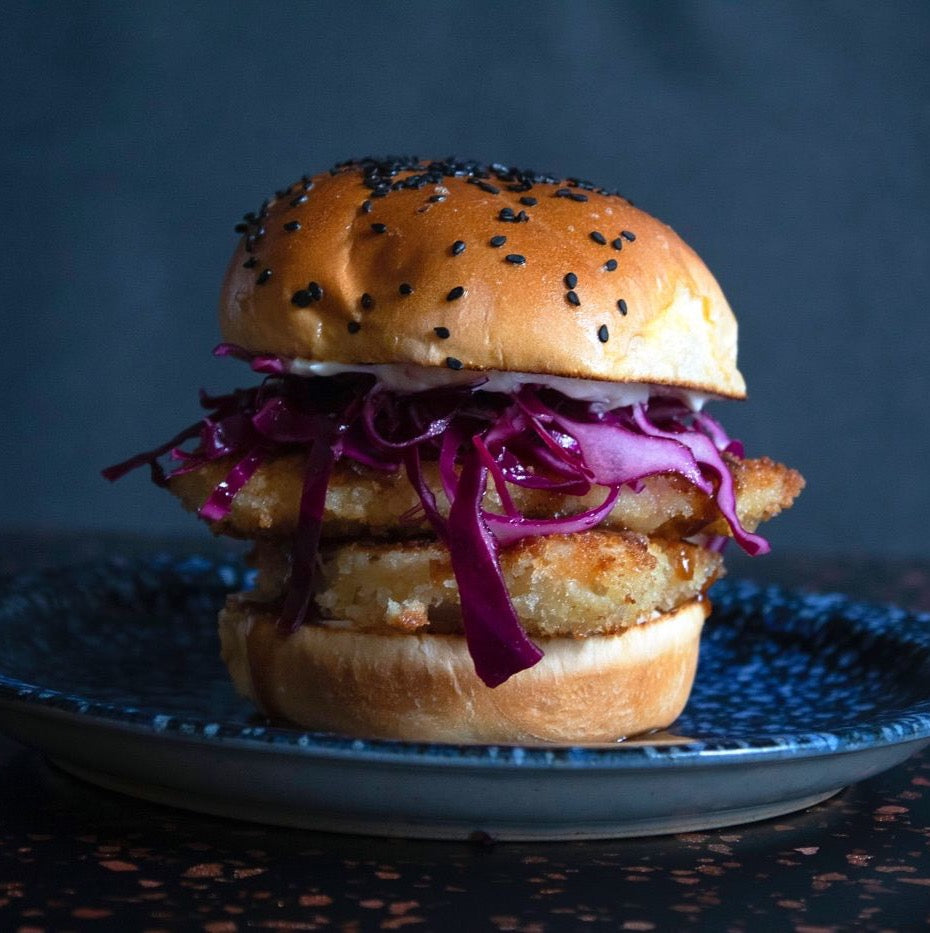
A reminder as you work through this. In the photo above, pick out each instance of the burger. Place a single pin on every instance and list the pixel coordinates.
(485, 499)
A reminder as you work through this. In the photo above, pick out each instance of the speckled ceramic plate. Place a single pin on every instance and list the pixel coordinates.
(112, 671)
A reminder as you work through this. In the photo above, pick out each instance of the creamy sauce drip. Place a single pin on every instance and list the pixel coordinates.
(402, 377)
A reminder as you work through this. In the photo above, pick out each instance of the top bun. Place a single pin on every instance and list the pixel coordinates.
(462, 265)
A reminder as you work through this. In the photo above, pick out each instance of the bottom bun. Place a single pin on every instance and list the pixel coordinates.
(423, 687)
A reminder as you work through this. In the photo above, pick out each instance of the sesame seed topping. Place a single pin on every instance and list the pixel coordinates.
(628, 235)
(515, 259)
(250, 262)
(316, 291)
(405, 288)
(617, 244)
(456, 293)
(528, 201)
(442, 332)
(263, 276)
(610, 265)
(497, 240)
(353, 327)
(570, 280)
(621, 305)
(458, 247)
(379, 228)
(453, 363)
(572, 298)
(522, 217)
(300, 199)
(302, 298)
(367, 301)
(506, 214)
(603, 334)
(486, 186)
(577, 196)
(292, 225)
(598, 237)
(563, 193)
(366, 206)
(436, 198)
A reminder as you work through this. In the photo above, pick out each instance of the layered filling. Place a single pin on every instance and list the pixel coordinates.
(507, 516)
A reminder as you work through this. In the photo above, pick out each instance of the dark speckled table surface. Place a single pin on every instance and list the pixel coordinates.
(76, 857)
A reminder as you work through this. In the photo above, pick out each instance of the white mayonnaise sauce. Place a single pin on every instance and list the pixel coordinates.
(410, 378)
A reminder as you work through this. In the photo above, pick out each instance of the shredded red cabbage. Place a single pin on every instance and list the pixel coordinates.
(535, 438)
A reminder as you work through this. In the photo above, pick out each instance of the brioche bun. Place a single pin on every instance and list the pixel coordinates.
(424, 687)
(392, 262)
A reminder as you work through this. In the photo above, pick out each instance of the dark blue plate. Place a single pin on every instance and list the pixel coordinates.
(113, 670)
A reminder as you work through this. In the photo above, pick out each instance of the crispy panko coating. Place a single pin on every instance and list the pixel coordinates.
(617, 579)
(364, 503)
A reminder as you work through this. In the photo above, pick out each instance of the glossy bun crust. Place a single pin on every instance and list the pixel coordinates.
(424, 688)
(395, 262)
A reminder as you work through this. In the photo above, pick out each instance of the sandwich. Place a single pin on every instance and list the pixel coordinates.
(485, 500)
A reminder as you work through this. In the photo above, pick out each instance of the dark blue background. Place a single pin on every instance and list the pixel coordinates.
(789, 143)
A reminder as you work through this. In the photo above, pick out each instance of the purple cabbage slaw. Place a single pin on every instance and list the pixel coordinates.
(535, 438)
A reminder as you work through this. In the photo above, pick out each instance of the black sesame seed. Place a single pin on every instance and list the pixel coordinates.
(598, 238)
(405, 288)
(610, 265)
(367, 301)
(497, 240)
(571, 280)
(506, 215)
(442, 332)
(603, 334)
(516, 259)
(456, 293)
(292, 225)
(302, 298)
(366, 206)
(453, 363)
(353, 327)
(563, 193)
(522, 217)
(263, 276)
(241, 228)
(621, 304)
(628, 235)
(576, 196)
(436, 198)
(316, 292)
(379, 228)
(250, 262)
(573, 299)
(487, 186)
(617, 244)
(528, 201)
(298, 200)
(458, 247)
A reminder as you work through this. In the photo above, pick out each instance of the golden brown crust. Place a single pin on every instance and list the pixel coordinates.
(593, 583)
(676, 328)
(423, 687)
(365, 503)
